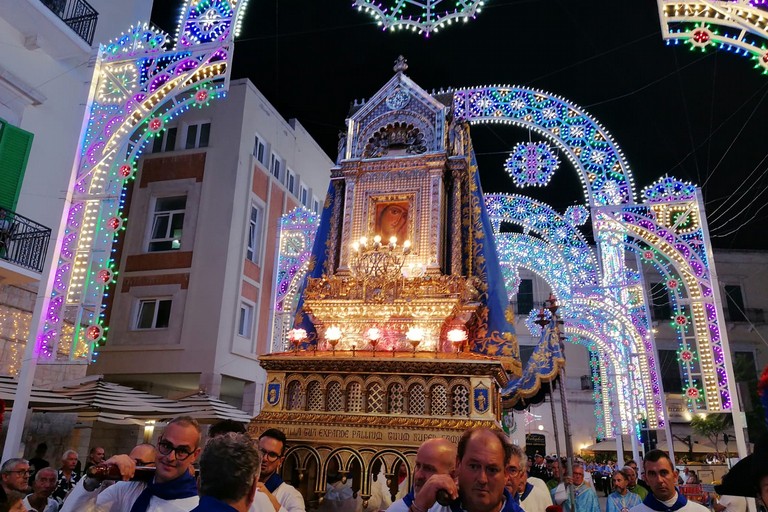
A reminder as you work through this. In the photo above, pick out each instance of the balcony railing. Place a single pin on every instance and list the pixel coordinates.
(77, 14)
(23, 241)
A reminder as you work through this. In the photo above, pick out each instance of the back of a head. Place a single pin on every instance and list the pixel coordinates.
(228, 466)
(225, 427)
(11, 498)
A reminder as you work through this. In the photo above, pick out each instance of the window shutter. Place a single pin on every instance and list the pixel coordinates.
(15, 145)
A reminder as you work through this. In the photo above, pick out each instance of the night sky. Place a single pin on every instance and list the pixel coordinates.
(699, 116)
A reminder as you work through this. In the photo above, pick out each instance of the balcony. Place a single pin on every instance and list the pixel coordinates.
(23, 243)
(77, 14)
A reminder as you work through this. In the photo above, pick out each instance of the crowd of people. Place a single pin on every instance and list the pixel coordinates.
(483, 472)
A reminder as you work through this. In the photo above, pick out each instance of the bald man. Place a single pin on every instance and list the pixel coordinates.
(435, 469)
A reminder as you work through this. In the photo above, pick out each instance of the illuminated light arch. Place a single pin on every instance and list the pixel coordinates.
(602, 386)
(594, 314)
(672, 241)
(423, 16)
(297, 234)
(602, 168)
(540, 218)
(138, 87)
(604, 316)
(739, 27)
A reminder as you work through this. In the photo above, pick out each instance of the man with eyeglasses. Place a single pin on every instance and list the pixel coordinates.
(585, 495)
(435, 469)
(284, 497)
(172, 490)
(531, 492)
(15, 475)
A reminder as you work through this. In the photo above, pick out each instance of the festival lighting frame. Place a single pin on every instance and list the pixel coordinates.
(139, 85)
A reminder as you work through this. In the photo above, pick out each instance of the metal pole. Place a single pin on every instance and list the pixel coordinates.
(554, 424)
(567, 434)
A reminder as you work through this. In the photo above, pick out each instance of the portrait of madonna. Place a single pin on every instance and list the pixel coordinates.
(392, 220)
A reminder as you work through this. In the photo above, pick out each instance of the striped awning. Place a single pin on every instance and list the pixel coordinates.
(38, 397)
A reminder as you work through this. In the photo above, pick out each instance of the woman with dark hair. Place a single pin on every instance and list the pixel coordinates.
(621, 500)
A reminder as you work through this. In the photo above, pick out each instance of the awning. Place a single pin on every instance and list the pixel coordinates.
(38, 398)
(115, 403)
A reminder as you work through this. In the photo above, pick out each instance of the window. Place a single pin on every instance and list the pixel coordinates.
(245, 320)
(165, 141)
(525, 296)
(304, 196)
(734, 303)
(167, 223)
(253, 252)
(259, 149)
(661, 307)
(198, 135)
(290, 181)
(153, 314)
(315, 205)
(670, 371)
(275, 163)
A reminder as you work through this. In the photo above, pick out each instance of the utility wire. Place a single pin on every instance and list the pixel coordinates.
(751, 219)
(745, 209)
(714, 217)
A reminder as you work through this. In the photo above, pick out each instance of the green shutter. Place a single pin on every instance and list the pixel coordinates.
(15, 145)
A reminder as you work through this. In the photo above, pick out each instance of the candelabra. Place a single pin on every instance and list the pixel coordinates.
(376, 260)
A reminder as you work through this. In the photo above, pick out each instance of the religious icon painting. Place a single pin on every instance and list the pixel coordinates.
(273, 393)
(481, 399)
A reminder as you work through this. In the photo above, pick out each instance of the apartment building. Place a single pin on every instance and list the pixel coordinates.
(193, 305)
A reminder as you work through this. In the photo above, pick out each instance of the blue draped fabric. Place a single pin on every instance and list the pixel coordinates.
(317, 263)
(543, 366)
(496, 334)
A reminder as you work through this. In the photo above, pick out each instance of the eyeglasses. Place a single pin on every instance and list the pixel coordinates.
(269, 456)
(25, 472)
(165, 448)
(140, 462)
(512, 470)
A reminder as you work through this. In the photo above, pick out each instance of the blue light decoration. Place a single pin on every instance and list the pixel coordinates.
(667, 189)
(603, 170)
(422, 16)
(139, 86)
(576, 215)
(297, 235)
(738, 27)
(531, 164)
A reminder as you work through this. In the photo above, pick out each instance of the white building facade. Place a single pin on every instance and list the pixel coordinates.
(193, 305)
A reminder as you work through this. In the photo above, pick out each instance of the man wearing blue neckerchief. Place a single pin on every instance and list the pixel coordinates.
(434, 469)
(284, 497)
(172, 490)
(481, 472)
(661, 475)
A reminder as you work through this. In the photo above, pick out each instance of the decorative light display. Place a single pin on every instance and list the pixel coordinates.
(139, 86)
(297, 234)
(531, 164)
(422, 16)
(667, 189)
(603, 170)
(576, 215)
(738, 27)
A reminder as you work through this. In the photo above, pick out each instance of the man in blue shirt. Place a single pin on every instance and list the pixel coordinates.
(229, 474)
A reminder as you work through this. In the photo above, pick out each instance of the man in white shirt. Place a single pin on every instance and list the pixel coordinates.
(661, 475)
(173, 488)
(284, 497)
(43, 486)
(533, 492)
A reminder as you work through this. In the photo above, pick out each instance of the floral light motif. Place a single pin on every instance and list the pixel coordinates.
(577, 214)
(532, 164)
(668, 188)
(423, 16)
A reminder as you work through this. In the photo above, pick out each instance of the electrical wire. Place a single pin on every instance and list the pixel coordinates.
(714, 217)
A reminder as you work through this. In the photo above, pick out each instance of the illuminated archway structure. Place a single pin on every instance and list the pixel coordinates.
(740, 27)
(139, 85)
(667, 230)
(422, 16)
(297, 234)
